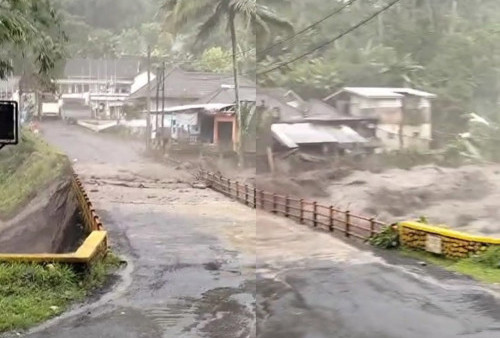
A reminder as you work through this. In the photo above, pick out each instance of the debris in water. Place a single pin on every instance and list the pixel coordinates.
(199, 185)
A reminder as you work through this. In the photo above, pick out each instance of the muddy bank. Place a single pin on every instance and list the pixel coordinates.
(50, 222)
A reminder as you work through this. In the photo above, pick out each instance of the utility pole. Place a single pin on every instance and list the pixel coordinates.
(236, 86)
(158, 78)
(163, 96)
(148, 103)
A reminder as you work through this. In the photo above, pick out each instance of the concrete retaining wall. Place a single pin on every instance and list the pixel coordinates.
(442, 241)
(94, 247)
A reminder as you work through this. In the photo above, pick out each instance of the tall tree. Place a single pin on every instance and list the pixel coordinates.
(212, 13)
(30, 31)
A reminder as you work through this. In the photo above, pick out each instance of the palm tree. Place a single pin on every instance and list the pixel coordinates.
(260, 19)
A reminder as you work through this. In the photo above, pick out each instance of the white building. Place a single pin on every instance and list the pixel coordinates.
(404, 114)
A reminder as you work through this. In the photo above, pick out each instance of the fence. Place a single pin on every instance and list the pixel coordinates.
(91, 221)
(311, 213)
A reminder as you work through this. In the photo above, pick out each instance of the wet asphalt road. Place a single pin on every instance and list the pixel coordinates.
(203, 266)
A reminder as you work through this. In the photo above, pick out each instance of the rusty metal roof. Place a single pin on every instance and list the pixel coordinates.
(293, 134)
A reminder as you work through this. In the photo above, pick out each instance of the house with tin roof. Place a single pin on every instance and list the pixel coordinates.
(404, 114)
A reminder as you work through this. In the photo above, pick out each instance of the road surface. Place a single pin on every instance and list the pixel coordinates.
(201, 265)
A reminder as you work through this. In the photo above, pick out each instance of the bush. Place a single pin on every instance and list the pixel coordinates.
(489, 258)
(388, 238)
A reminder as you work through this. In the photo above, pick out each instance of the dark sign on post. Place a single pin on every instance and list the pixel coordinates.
(9, 114)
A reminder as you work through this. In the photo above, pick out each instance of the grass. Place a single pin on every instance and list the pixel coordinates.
(26, 168)
(30, 293)
(483, 267)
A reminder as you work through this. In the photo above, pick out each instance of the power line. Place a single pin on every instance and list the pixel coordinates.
(335, 12)
(326, 43)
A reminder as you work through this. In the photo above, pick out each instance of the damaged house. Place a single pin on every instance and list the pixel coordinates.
(314, 126)
(404, 114)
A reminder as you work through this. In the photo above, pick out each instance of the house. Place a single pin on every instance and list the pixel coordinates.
(99, 86)
(182, 87)
(285, 105)
(212, 123)
(312, 125)
(319, 112)
(404, 114)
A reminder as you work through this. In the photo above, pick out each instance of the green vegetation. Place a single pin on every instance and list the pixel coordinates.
(31, 39)
(25, 169)
(447, 47)
(32, 293)
(483, 267)
(388, 238)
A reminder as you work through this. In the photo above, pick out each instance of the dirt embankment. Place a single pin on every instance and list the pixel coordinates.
(40, 214)
(48, 223)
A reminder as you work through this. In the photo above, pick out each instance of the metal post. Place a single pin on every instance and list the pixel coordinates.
(315, 214)
(275, 207)
(331, 228)
(372, 227)
(287, 206)
(255, 197)
(148, 102)
(301, 211)
(237, 190)
(347, 223)
(246, 194)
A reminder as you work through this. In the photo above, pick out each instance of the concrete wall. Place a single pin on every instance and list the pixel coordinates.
(414, 137)
(442, 241)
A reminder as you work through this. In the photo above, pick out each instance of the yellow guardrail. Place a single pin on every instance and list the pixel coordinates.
(93, 247)
(449, 232)
(440, 240)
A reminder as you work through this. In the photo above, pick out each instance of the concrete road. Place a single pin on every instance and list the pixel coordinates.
(203, 266)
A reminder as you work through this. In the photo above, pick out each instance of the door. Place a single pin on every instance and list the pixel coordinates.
(225, 133)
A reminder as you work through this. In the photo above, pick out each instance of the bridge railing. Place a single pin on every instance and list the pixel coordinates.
(312, 213)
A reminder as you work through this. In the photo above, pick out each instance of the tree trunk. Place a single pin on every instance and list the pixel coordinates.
(236, 87)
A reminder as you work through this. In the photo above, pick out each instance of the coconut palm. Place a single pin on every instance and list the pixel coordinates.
(260, 19)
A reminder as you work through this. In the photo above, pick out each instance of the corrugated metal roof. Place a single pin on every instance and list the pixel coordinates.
(227, 95)
(209, 107)
(321, 110)
(293, 134)
(415, 92)
(122, 68)
(380, 92)
(190, 85)
(383, 92)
